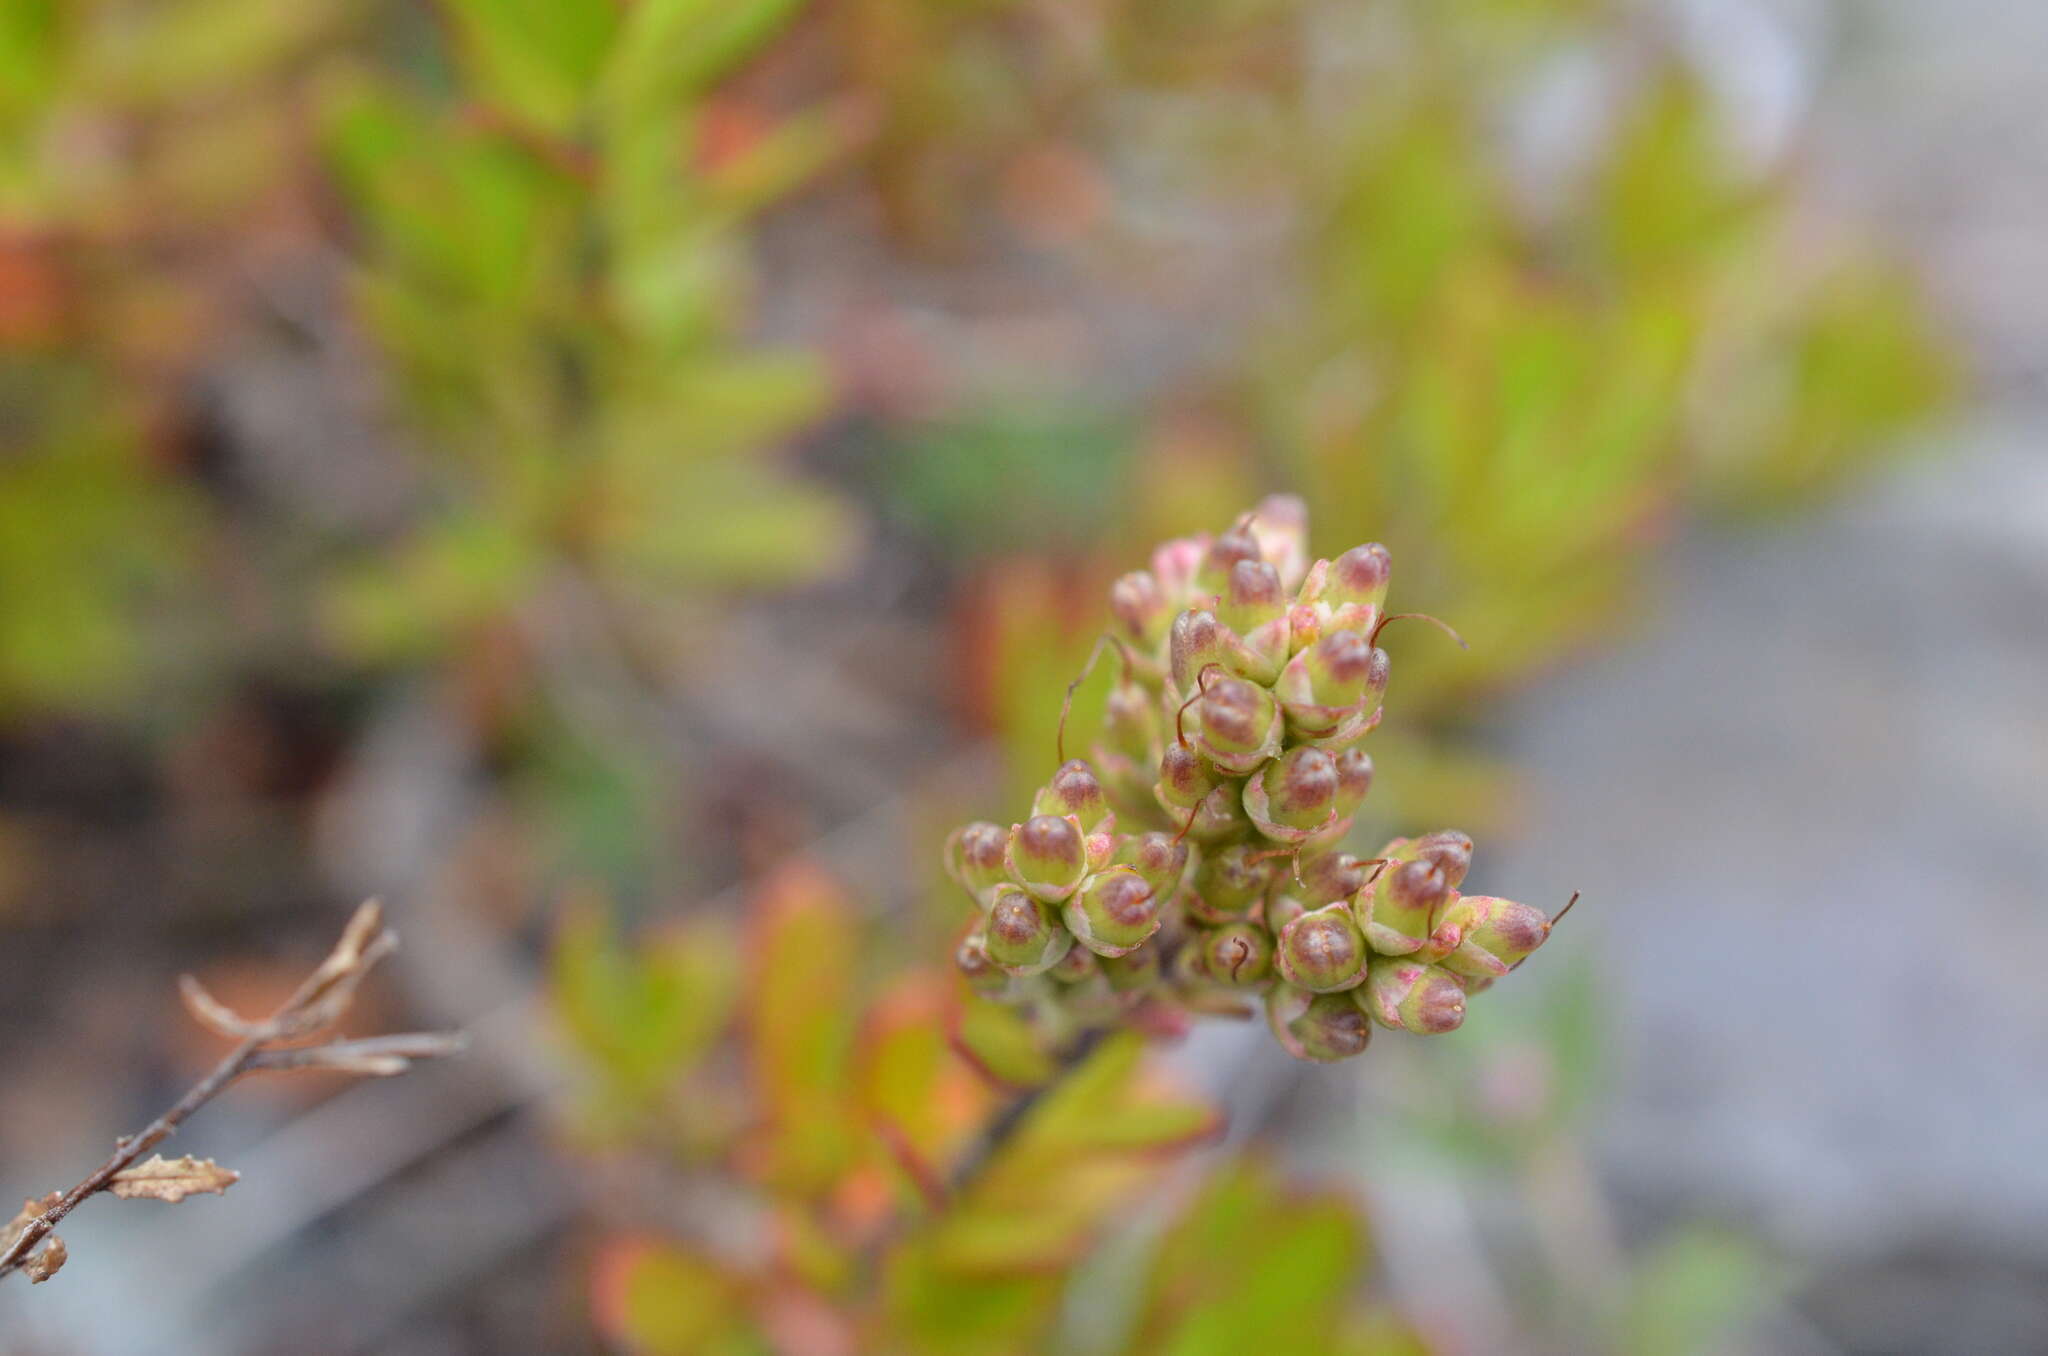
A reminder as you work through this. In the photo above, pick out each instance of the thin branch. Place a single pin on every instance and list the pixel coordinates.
(1007, 1122)
(319, 1002)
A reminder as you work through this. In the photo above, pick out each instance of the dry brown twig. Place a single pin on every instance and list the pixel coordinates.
(280, 1041)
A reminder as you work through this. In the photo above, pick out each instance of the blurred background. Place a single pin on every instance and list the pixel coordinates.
(566, 465)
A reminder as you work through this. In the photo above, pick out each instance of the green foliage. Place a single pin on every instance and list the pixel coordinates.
(644, 1017)
(1692, 1289)
(1210, 1295)
(554, 268)
(88, 540)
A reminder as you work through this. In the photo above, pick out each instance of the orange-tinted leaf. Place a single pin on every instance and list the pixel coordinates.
(801, 1017)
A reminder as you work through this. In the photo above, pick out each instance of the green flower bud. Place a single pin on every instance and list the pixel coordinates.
(1156, 857)
(1075, 791)
(1359, 577)
(1354, 780)
(1403, 992)
(1322, 951)
(1185, 780)
(1498, 934)
(1237, 725)
(1143, 609)
(1228, 883)
(1048, 856)
(1324, 1027)
(1332, 691)
(1294, 795)
(1255, 612)
(1347, 594)
(1397, 909)
(1024, 936)
(1133, 972)
(974, 857)
(1238, 954)
(1199, 643)
(1114, 913)
(971, 956)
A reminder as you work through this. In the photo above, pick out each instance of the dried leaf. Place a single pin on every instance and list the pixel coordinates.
(213, 1014)
(47, 1262)
(31, 1210)
(332, 988)
(172, 1180)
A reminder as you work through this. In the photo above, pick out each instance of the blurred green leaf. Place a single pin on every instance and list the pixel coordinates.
(1693, 1289)
(656, 1299)
(1250, 1266)
(536, 59)
(803, 950)
(1095, 1138)
(645, 1015)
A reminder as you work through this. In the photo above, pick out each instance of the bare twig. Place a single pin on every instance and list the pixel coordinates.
(1003, 1127)
(319, 1002)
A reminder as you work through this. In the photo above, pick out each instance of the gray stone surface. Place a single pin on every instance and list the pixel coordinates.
(1810, 814)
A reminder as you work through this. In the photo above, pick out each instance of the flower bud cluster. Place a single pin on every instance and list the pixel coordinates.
(1196, 861)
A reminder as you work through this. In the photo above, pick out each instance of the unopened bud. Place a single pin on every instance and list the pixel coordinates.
(1498, 934)
(1332, 691)
(1197, 642)
(1238, 725)
(1280, 524)
(1322, 951)
(1223, 555)
(1184, 779)
(1238, 954)
(1075, 791)
(1359, 577)
(1143, 609)
(1114, 913)
(1293, 795)
(984, 976)
(1451, 850)
(1332, 877)
(1254, 609)
(1354, 779)
(1130, 721)
(1174, 564)
(974, 857)
(1228, 883)
(1023, 935)
(1220, 818)
(1324, 1027)
(1396, 909)
(1154, 856)
(1046, 855)
(1403, 992)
